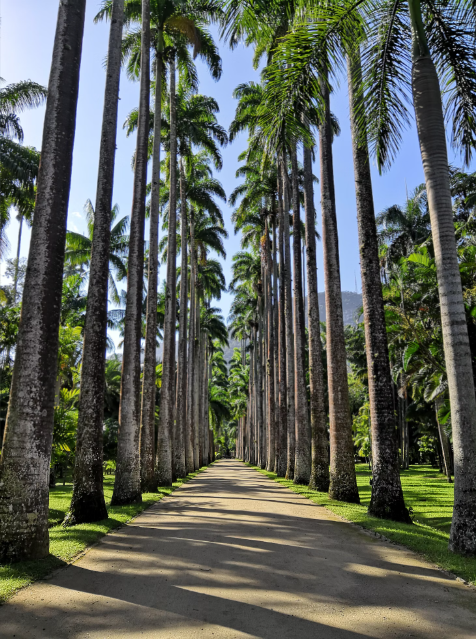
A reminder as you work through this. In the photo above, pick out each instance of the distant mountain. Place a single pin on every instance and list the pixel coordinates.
(351, 307)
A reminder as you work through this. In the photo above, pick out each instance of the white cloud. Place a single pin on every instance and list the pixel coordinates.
(75, 228)
(76, 214)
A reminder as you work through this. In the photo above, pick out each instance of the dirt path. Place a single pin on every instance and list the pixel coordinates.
(235, 555)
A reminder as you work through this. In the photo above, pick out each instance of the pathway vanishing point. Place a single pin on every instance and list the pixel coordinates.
(234, 555)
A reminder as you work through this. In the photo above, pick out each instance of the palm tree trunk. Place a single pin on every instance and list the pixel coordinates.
(87, 504)
(17, 264)
(281, 441)
(190, 440)
(302, 469)
(320, 462)
(288, 313)
(196, 381)
(147, 428)
(432, 138)
(445, 442)
(259, 396)
(179, 443)
(276, 324)
(127, 485)
(387, 496)
(343, 485)
(24, 470)
(270, 359)
(167, 402)
(201, 431)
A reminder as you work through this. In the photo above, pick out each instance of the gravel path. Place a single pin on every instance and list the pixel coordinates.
(234, 555)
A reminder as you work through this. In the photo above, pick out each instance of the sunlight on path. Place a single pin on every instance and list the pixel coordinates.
(234, 555)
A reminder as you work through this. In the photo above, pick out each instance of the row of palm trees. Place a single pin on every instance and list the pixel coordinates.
(182, 123)
(306, 44)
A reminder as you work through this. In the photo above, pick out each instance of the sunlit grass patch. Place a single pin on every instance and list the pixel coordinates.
(66, 544)
(429, 495)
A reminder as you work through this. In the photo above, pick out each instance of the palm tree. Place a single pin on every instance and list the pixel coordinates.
(24, 472)
(127, 485)
(103, 244)
(175, 24)
(79, 248)
(343, 483)
(18, 164)
(87, 504)
(320, 468)
(311, 57)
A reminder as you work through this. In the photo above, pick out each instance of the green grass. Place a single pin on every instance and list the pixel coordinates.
(66, 544)
(427, 493)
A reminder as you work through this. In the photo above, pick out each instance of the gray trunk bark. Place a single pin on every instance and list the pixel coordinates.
(270, 359)
(288, 313)
(147, 428)
(179, 441)
(281, 441)
(127, 483)
(25, 470)
(387, 497)
(302, 469)
(190, 439)
(88, 504)
(196, 373)
(319, 442)
(432, 138)
(343, 484)
(259, 399)
(167, 401)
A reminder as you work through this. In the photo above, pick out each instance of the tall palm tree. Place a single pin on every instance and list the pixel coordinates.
(197, 127)
(320, 469)
(127, 484)
(87, 504)
(24, 471)
(343, 483)
(175, 24)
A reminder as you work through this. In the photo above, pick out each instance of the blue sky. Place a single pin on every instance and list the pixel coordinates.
(27, 34)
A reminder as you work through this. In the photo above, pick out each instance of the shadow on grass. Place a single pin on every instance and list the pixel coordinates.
(67, 543)
(431, 499)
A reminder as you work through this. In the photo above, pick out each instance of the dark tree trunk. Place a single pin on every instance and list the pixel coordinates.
(190, 439)
(270, 359)
(432, 138)
(167, 401)
(127, 487)
(259, 399)
(302, 469)
(288, 318)
(179, 441)
(343, 485)
(26, 450)
(320, 463)
(276, 331)
(88, 504)
(196, 373)
(387, 496)
(281, 441)
(147, 428)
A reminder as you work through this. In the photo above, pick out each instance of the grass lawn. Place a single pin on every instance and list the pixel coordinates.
(431, 499)
(65, 544)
